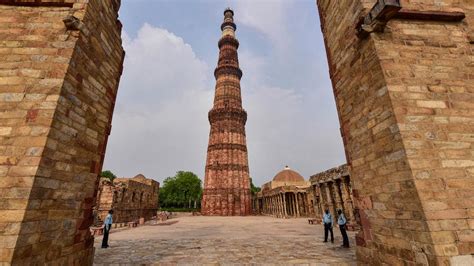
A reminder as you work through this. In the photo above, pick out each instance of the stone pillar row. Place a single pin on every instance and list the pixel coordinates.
(334, 195)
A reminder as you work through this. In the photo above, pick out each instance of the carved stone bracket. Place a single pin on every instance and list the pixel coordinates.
(73, 23)
(378, 17)
(384, 10)
(430, 15)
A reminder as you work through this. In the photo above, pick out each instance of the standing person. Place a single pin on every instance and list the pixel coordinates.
(341, 221)
(327, 221)
(107, 225)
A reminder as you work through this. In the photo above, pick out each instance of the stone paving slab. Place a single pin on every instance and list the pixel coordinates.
(201, 240)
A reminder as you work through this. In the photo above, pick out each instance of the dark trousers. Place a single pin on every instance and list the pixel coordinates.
(345, 239)
(328, 228)
(105, 239)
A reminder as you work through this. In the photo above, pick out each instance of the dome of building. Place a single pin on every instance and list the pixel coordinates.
(288, 175)
(139, 176)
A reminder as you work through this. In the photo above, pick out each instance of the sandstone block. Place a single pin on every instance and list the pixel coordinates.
(431, 104)
(23, 170)
(5, 131)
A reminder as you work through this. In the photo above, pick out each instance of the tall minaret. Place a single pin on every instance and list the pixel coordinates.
(226, 184)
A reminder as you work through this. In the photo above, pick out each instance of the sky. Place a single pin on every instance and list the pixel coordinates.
(160, 123)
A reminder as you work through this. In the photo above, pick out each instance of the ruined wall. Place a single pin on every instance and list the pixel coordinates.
(405, 103)
(310, 199)
(57, 91)
(130, 198)
(332, 190)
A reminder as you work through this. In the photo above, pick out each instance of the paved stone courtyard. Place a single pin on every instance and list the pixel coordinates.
(225, 240)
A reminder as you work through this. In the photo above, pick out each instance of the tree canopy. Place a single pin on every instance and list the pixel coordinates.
(109, 175)
(182, 190)
(253, 188)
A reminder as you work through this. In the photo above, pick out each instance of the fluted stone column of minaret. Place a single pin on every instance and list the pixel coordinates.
(227, 184)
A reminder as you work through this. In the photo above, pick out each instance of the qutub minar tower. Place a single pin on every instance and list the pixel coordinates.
(227, 184)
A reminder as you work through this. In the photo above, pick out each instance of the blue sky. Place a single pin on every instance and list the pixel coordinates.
(160, 125)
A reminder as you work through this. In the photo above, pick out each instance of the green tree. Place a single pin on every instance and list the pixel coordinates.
(253, 188)
(109, 175)
(181, 191)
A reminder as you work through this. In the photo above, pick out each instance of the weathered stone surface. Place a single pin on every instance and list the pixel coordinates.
(55, 88)
(227, 181)
(254, 240)
(332, 190)
(404, 98)
(129, 198)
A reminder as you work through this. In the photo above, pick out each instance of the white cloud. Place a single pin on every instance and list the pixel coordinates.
(160, 124)
(267, 17)
(287, 126)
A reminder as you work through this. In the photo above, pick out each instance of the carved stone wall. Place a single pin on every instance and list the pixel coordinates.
(227, 181)
(130, 198)
(332, 190)
(402, 80)
(58, 82)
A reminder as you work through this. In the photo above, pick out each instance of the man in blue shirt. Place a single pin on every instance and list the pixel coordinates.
(107, 225)
(327, 221)
(341, 221)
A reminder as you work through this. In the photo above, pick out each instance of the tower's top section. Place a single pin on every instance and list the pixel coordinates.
(228, 27)
(229, 10)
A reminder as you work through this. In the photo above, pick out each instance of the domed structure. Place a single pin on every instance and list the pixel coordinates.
(288, 175)
(140, 176)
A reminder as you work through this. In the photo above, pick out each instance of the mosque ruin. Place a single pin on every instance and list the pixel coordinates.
(132, 199)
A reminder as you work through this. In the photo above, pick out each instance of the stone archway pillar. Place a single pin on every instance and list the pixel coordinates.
(55, 122)
(347, 200)
(337, 197)
(297, 205)
(403, 88)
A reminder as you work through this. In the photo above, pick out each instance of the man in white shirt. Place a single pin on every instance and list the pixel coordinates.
(107, 225)
(341, 221)
(327, 221)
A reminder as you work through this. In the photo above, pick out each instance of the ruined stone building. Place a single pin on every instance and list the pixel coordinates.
(226, 183)
(333, 191)
(287, 195)
(130, 198)
(60, 66)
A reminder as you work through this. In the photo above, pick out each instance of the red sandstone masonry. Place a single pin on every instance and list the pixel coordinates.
(404, 98)
(226, 184)
(54, 115)
(130, 198)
